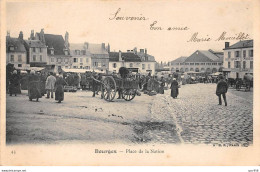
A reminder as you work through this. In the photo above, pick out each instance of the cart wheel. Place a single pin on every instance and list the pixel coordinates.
(128, 94)
(109, 88)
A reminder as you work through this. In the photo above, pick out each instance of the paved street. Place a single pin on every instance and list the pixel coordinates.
(193, 118)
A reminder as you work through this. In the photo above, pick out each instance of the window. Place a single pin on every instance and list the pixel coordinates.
(149, 66)
(229, 54)
(34, 58)
(251, 65)
(114, 65)
(19, 65)
(34, 49)
(244, 53)
(74, 60)
(80, 60)
(131, 65)
(59, 60)
(208, 63)
(66, 60)
(40, 58)
(12, 58)
(251, 52)
(40, 50)
(191, 63)
(186, 63)
(95, 64)
(219, 64)
(244, 64)
(197, 64)
(87, 60)
(202, 63)
(12, 48)
(19, 58)
(66, 52)
(75, 67)
(52, 59)
(229, 65)
(237, 54)
(83, 52)
(237, 64)
(143, 66)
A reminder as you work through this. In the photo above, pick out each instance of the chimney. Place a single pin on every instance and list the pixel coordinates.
(103, 46)
(21, 35)
(145, 55)
(86, 45)
(108, 48)
(32, 35)
(135, 50)
(8, 34)
(42, 36)
(67, 40)
(120, 56)
(226, 44)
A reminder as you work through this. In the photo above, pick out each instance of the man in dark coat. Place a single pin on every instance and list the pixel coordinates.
(14, 86)
(222, 88)
(174, 88)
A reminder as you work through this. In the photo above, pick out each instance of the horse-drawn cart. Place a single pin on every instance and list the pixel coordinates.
(111, 84)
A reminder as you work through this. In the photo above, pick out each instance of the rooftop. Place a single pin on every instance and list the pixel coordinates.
(126, 56)
(241, 44)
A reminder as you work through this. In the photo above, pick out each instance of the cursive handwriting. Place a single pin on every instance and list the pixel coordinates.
(116, 16)
(194, 38)
(240, 36)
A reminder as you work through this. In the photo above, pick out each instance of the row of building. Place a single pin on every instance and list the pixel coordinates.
(234, 61)
(55, 52)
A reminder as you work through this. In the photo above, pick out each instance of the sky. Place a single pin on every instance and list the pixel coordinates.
(93, 21)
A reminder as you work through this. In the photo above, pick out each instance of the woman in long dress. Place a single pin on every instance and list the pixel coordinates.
(14, 87)
(34, 86)
(174, 88)
(59, 84)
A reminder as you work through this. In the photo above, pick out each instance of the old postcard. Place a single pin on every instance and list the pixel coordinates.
(130, 82)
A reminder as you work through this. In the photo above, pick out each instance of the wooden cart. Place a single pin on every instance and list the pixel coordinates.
(110, 85)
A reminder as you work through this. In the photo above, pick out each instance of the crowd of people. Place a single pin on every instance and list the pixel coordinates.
(41, 83)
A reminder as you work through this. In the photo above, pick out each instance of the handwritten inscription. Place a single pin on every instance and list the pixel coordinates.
(223, 37)
(117, 16)
(195, 37)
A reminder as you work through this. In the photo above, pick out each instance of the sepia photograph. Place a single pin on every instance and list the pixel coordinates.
(145, 75)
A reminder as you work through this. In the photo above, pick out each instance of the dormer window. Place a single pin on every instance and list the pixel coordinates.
(12, 48)
(66, 52)
(52, 51)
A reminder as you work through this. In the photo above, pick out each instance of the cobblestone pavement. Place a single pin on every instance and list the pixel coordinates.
(193, 118)
(200, 120)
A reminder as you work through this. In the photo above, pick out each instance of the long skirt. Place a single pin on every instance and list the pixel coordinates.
(59, 93)
(161, 90)
(14, 89)
(34, 90)
(174, 92)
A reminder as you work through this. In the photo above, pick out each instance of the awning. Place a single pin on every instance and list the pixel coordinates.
(30, 68)
(226, 70)
(76, 70)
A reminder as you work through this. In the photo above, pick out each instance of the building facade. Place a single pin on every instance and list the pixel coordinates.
(36, 52)
(148, 62)
(16, 52)
(81, 58)
(58, 54)
(131, 61)
(99, 56)
(207, 61)
(238, 59)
